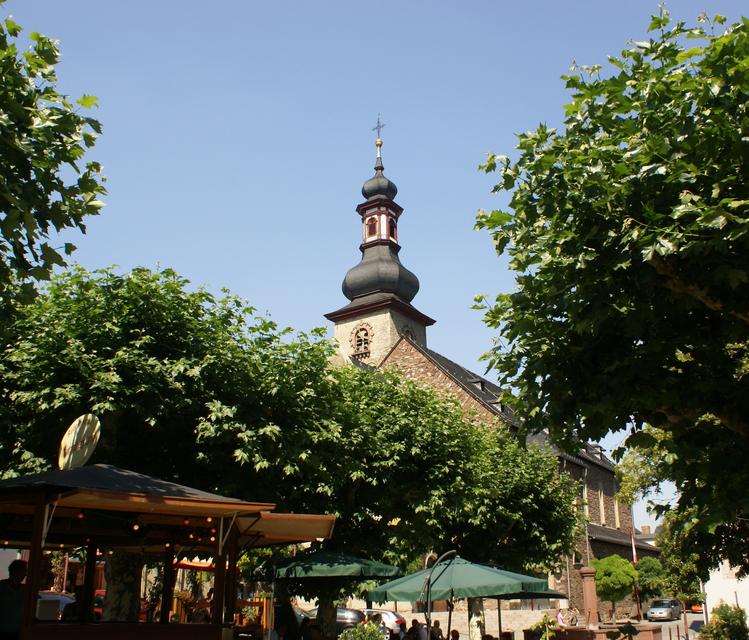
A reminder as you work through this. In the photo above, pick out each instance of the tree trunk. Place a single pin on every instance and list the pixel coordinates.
(326, 615)
(476, 621)
(122, 600)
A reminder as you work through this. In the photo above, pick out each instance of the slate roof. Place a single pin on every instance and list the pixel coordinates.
(488, 393)
(616, 536)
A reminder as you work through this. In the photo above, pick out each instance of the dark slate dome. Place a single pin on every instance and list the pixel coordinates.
(378, 186)
(380, 271)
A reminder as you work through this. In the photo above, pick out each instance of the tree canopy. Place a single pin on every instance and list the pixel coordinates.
(629, 231)
(45, 186)
(250, 410)
(650, 577)
(615, 579)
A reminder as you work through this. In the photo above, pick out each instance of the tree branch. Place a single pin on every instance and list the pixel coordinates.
(672, 281)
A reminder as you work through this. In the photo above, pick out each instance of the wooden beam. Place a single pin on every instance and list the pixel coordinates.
(86, 610)
(33, 575)
(167, 590)
(219, 588)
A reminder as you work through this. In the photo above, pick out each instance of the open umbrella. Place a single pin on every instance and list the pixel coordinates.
(459, 578)
(332, 564)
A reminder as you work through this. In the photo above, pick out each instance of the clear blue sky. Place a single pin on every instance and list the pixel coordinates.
(237, 133)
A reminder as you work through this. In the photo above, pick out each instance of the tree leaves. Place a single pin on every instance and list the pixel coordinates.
(42, 140)
(629, 232)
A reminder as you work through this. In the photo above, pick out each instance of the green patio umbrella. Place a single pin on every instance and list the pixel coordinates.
(332, 564)
(458, 578)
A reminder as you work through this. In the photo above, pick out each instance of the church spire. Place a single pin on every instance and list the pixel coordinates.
(380, 288)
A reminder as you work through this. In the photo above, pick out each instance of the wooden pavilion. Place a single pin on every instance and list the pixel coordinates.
(105, 508)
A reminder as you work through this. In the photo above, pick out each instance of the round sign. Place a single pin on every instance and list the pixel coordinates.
(79, 442)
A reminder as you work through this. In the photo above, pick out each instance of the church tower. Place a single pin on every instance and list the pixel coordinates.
(380, 288)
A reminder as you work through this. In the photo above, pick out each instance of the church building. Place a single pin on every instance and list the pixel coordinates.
(381, 328)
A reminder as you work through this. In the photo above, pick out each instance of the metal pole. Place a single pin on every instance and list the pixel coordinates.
(499, 618)
(428, 588)
(449, 617)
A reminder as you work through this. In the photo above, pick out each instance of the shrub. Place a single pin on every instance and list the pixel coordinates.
(366, 631)
(727, 623)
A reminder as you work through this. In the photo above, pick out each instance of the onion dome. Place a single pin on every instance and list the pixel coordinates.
(378, 186)
(380, 271)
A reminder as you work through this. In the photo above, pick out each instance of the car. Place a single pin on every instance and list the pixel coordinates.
(391, 619)
(50, 605)
(664, 609)
(344, 618)
(696, 607)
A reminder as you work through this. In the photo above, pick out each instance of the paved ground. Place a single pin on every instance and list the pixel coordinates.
(675, 630)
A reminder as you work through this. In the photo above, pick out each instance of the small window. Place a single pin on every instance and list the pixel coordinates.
(372, 226)
(361, 340)
(393, 230)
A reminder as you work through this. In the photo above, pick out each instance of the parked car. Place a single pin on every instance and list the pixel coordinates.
(344, 618)
(696, 607)
(664, 609)
(50, 605)
(391, 619)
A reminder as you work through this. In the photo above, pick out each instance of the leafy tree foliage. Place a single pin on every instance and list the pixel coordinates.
(650, 577)
(43, 138)
(615, 578)
(682, 557)
(246, 409)
(727, 623)
(629, 231)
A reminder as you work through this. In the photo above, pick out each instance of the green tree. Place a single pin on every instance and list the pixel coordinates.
(681, 557)
(727, 623)
(629, 231)
(45, 188)
(249, 410)
(650, 578)
(615, 579)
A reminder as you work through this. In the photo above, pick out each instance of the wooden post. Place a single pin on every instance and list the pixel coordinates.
(86, 610)
(231, 581)
(34, 569)
(167, 590)
(219, 588)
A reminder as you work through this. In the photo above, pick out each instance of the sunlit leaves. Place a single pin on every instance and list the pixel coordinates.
(629, 234)
(42, 141)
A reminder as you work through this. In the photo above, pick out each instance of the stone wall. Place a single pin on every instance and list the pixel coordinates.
(416, 366)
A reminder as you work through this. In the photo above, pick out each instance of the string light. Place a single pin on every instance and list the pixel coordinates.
(136, 526)
(80, 515)
(167, 545)
(187, 521)
(209, 519)
(213, 538)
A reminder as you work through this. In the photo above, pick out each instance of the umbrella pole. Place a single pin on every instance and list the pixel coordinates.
(449, 617)
(499, 619)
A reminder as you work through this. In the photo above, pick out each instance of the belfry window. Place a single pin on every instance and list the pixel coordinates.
(361, 341)
(393, 234)
(372, 226)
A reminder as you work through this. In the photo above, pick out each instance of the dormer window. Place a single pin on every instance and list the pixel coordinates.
(372, 226)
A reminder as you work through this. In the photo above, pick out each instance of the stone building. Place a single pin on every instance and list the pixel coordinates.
(380, 328)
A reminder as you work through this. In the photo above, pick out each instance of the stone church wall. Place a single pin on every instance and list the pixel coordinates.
(415, 366)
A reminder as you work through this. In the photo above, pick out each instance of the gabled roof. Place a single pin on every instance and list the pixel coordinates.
(484, 391)
(489, 393)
